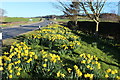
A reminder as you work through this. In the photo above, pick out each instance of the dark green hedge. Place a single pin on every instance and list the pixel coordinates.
(105, 28)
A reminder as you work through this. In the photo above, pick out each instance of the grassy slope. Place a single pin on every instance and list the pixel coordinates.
(108, 55)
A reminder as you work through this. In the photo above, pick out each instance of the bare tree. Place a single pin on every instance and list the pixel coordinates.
(93, 9)
(2, 12)
(70, 10)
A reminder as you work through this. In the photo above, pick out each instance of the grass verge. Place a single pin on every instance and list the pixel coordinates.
(60, 49)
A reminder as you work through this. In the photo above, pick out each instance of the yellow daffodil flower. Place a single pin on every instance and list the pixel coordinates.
(106, 76)
(18, 73)
(10, 76)
(44, 65)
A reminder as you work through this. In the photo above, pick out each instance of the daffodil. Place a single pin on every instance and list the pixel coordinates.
(29, 60)
(1, 63)
(108, 71)
(11, 71)
(83, 61)
(19, 69)
(112, 72)
(46, 60)
(99, 65)
(10, 76)
(16, 49)
(106, 76)
(86, 75)
(116, 71)
(16, 67)
(96, 62)
(69, 69)
(5, 53)
(91, 68)
(9, 67)
(26, 51)
(118, 77)
(88, 66)
(88, 61)
(75, 67)
(5, 64)
(18, 56)
(36, 57)
(58, 74)
(18, 73)
(91, 76)
(17, 45)
(96, 58)
(44, 65)
(32, 53)
(25, 58)
(48, 70)
(88, 55)
(62, 75)
(79, 73)
(1, 68)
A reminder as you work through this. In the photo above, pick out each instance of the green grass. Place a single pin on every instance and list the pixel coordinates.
(16, 21)
(108, 55)
(19, 19)
(66, 20)
(107, 59)
(103, 48)
(62, 20)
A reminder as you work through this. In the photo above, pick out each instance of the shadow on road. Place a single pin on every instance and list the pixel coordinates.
(31, 26)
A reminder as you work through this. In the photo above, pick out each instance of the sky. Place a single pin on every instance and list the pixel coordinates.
(40, 8)
(29, 9)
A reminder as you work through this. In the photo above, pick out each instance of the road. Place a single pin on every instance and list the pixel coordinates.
(12, 32)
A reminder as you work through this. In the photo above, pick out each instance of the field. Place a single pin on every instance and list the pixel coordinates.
(66, 20)
(19, 19)
(15, 21)
(83, 19)
(56, 52)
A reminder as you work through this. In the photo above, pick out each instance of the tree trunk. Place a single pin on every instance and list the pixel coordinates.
(97, 28)
(76, 23)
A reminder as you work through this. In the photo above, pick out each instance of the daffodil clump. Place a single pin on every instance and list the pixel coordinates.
(109, 73)
(89, 65)
(18, 59)
(1, 64)
(55, 37)
(49, 63)
(90, 61)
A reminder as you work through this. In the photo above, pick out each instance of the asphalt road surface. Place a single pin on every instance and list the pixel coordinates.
(12, 32)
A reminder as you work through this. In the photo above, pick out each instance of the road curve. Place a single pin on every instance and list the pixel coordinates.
(12, 32)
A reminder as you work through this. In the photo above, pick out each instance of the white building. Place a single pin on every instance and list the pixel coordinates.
(119, 8)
